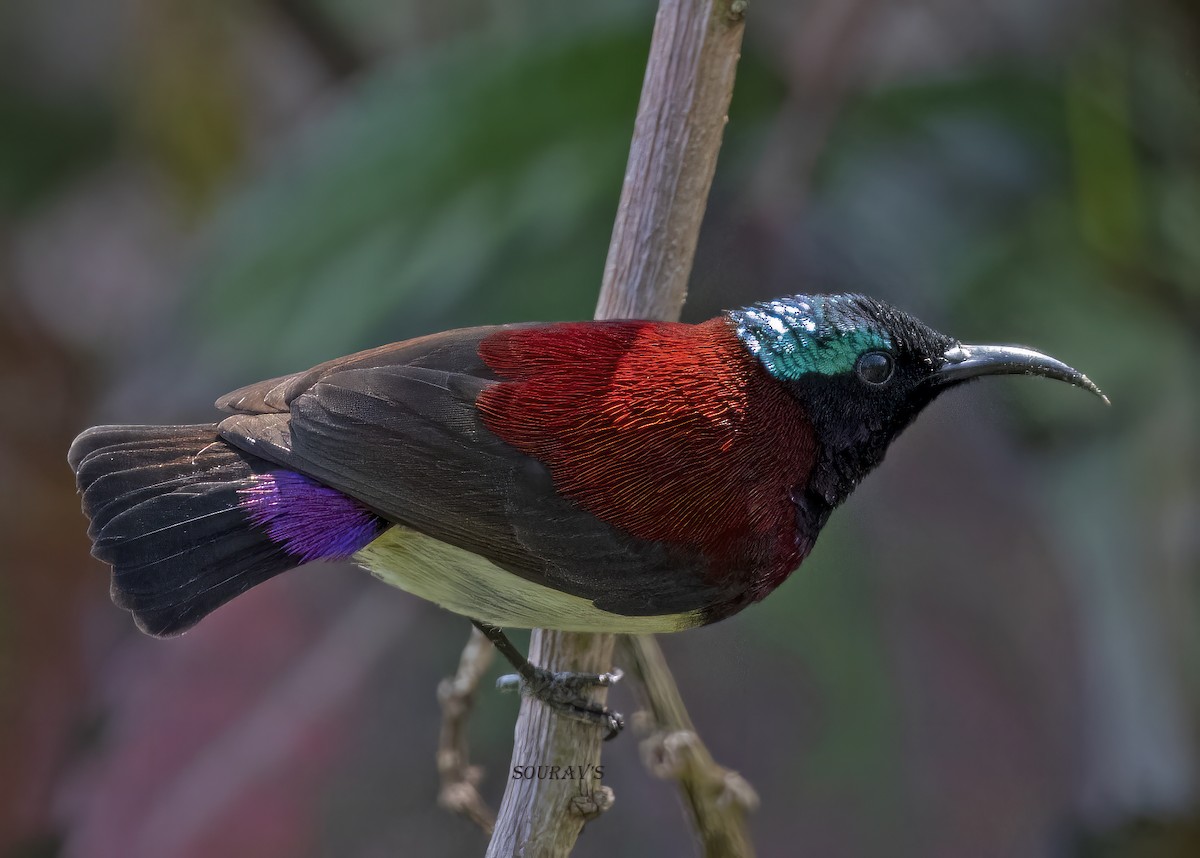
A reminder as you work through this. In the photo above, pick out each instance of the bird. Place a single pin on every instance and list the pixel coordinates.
(622, 476)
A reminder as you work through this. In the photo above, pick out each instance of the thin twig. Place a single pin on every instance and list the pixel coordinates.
(672, 158)
(456, 694)
(717, 798)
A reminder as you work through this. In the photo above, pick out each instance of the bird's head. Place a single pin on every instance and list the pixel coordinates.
(862, 371)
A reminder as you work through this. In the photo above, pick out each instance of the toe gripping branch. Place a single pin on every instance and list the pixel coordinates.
(563, 691)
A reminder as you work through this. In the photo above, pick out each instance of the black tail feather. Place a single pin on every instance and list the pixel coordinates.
(165, 514)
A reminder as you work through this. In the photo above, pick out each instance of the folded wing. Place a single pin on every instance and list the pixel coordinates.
(397, 428)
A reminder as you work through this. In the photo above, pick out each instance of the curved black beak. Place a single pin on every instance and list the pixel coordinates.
(964, 361)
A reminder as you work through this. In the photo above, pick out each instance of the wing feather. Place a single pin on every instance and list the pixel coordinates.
(397, 428)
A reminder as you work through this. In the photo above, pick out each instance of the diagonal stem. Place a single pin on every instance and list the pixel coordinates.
(456, 694)
(717, 798)
(672, 158)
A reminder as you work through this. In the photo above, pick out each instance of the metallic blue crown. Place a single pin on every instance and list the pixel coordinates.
(808, 333)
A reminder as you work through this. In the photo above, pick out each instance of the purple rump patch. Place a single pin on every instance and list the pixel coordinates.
(309, 520)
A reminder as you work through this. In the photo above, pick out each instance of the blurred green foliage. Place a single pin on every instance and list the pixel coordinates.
(189, 114)
(58, 142)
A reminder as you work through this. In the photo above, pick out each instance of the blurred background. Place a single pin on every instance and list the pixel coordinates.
(994, 649)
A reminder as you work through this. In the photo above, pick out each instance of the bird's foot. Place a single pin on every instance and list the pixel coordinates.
(566, 693)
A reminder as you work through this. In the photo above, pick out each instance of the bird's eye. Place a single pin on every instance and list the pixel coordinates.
(875, 367)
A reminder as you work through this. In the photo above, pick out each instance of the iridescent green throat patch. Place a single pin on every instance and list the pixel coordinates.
(808, 333)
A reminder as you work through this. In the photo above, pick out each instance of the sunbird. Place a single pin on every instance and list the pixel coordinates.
(606, 476)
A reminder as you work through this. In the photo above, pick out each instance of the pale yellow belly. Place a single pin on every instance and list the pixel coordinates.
(473, 586)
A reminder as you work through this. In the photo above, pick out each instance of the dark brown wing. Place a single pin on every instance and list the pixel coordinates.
(397, 428)
(454, 351)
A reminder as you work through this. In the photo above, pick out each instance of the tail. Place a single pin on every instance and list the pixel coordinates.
(188, 521)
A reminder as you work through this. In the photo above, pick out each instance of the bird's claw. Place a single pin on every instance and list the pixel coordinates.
(566, 693)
